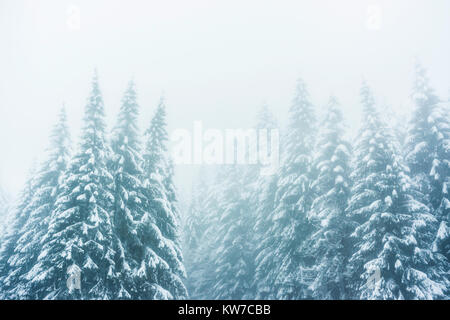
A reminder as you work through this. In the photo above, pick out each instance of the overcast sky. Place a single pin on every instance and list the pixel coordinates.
(216, 61)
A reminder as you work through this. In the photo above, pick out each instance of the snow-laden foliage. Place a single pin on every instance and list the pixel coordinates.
(195, 224)
(209, 210)
(428, 141)
(336, 221)
(233, 256)
(331, 192)
(125, 166)
(161, 270)
(290, 228)
(220, 226)
(11, 233)
(103, 224)
(263, 200)
(28, 236)
(389, 260)
(80, 233)
(428, 154)
(235, 241)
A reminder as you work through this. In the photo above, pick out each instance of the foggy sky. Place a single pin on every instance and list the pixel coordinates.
(215, 61)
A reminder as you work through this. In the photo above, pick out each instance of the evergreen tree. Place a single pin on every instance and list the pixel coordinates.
(160, 270)
(9, 239)
(428, 154)
(428, 139)
(440, 185)
(79, 244)
(125, 165)
(257, 176)
(233, 252)
(263, 202)
(194, 228)
(39, 208)
(290, 227)
(206, 251)
(233, 238)
(266, 265)
(332, 188)
(389, 260)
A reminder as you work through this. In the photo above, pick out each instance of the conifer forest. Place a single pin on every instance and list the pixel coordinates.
(349, 210)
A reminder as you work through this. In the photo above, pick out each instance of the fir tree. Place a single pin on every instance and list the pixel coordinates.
(332, 188)
(194, 228)
(12, 234)
(160, 271)
(233, 252)
(39, 208)
(427, 141)
(257, 176)
(263, 200)
(79, 244)
(206, 251)
(428, 154)
(290, 227)
(128, 190)
(389, 260)
(266, 265)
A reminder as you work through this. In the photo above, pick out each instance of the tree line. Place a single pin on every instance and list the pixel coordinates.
(340, 219)
(105, 214)
(367, 219)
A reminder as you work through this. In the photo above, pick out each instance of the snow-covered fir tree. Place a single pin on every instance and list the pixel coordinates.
(47, 182)
(263, 202)
(259, 175)
(266, 266)
(195, 224)
(428, 153)
(11, 232)
(426, 130)
(79, 244)
(125, 166)
(206, 264)
(256, 185)
(233, 252)
(440, 174)
(389, 259)
(228, 242)
(160, 270)
(335, 221)
(332, 189)
(286, 237)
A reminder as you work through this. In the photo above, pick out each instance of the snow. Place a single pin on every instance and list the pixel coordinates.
(398, 265)
(388, 201)
(338, 169)
(148, 249)
(81, 197)
(443, 231)
(90, 265)
(339, 180)
(446, 204)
